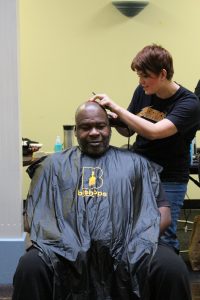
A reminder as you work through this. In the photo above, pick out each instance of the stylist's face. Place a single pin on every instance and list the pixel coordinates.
(151, 82)
(92, 129)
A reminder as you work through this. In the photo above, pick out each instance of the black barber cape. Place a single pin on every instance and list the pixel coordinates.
(96, 222)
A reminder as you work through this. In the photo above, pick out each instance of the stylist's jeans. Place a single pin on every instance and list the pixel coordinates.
(175, 193)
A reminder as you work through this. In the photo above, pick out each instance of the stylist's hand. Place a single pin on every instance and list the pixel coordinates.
(106, 102)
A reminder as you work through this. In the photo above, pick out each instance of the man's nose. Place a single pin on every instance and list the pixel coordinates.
(94, 131)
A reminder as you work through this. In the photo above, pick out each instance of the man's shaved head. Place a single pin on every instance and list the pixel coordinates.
(90, 106)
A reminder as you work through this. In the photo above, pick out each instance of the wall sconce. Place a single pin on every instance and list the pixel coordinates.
(130, 8)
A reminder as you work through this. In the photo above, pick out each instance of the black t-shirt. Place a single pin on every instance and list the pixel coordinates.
(172, 153)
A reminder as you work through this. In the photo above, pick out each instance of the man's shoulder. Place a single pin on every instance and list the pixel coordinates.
(124, 152)
(129, 154)
(52, 161)
(60, 158)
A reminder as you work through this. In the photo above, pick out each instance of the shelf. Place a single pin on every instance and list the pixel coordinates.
(130, 8)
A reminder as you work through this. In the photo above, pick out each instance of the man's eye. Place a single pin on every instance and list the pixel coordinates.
(101, 126)
(84, 128)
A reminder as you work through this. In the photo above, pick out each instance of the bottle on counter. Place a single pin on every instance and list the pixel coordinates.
(58, 144)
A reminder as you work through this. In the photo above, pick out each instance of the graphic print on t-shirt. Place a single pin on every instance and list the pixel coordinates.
(151, 114)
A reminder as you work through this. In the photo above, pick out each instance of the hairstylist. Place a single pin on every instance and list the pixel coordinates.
(165, 117)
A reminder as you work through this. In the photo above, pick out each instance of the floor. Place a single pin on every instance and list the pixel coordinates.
(5, 292)
(195, 282)
(184, 231)
(196, 291)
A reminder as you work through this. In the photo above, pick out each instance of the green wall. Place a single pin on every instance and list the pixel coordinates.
(70, 48)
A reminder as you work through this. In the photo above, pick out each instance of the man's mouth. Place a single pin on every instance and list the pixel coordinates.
(94, 143)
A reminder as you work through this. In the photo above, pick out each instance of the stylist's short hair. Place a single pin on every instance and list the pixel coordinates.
(153, 58)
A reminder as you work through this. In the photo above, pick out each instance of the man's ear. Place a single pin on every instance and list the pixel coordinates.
(75, 131)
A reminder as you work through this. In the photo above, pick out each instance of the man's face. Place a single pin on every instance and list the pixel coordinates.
(93, 130)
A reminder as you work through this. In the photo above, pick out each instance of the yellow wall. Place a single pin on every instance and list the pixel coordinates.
(70, 48)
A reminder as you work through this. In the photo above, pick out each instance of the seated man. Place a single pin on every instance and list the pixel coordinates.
(95, 214)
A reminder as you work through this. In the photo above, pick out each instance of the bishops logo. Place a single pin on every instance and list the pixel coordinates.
(92, 182)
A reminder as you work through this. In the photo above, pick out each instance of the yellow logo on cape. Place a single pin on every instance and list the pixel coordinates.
(92, 182)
